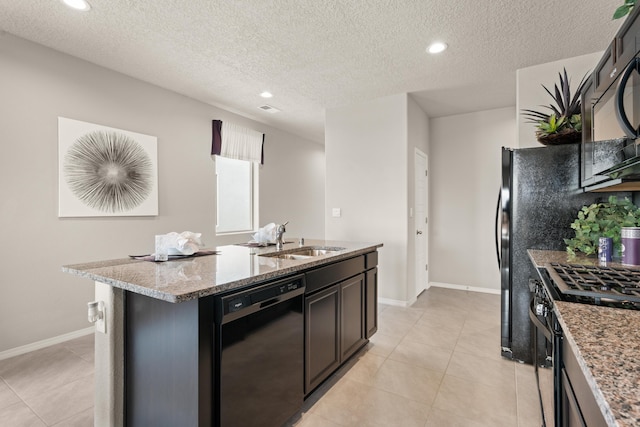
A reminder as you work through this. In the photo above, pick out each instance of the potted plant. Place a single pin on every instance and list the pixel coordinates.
(602, 220)
(563, 124)
(624, 9)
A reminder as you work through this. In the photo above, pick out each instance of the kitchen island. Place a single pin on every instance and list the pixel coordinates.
(159, 361)
(606, 344)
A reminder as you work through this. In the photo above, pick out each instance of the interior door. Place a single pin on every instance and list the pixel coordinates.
(421, 186)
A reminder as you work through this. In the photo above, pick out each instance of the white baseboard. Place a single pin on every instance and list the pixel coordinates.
(465, 288)
(400, 303)
(45, 343)
(395, 302)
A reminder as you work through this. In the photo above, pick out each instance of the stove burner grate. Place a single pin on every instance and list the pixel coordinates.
(598, 282)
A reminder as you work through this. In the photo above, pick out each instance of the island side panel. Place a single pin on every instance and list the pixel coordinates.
(109, 359)
(168, 380)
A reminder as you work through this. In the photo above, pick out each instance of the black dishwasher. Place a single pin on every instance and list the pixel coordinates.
(260, 354)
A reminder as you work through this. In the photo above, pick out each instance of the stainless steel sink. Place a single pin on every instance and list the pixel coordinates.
(305, 252)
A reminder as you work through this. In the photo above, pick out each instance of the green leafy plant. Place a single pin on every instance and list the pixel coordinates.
(602, 220)
(564, 117)
(625, 9)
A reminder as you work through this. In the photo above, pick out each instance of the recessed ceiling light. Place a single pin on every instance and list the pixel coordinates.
(82, 5)
(437, 47)
(266, 94)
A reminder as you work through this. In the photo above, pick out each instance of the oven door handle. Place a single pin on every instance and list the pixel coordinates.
(537, 323)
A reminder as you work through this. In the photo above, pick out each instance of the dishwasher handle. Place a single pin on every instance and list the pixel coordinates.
(240, 304)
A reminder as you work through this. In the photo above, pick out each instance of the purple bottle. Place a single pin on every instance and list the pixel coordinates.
(630, 245)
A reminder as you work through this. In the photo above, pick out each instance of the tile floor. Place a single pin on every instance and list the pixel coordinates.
(434, 364)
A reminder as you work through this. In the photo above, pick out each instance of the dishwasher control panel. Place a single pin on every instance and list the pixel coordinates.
(242, 300)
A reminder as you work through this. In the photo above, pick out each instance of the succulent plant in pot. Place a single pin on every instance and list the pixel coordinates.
(563, 123)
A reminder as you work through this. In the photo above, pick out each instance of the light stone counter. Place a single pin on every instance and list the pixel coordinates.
(190, 278)
(542, 257)
(606, 342)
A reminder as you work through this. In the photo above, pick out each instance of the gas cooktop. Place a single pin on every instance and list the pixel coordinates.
(601, 285)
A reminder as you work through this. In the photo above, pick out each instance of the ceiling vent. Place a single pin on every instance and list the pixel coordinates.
(269, 109)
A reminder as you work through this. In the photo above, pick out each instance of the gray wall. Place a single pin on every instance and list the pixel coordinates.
(366, 152)
(39, 302)
(464, 182)
(370, 160)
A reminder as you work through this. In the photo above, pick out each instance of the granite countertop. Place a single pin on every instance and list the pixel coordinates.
(233, 267)
(541, 257)
(606, 342)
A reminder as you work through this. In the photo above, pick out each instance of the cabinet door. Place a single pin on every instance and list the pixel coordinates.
(605, 72)
(371, 302)
(352, 313)
(627, 41)
(571, 417)
(578, 403)
(322, 336)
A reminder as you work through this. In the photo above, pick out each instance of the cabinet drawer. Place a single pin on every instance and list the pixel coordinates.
(334, 273)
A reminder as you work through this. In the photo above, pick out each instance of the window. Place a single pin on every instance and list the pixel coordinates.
(237, 189)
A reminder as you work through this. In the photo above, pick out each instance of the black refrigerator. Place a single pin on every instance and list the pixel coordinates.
(539, 198)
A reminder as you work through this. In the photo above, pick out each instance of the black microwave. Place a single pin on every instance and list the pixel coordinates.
(611, 111)
(616, 113)
(615, 126)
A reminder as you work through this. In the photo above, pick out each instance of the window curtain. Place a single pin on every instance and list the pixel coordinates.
(237, 142)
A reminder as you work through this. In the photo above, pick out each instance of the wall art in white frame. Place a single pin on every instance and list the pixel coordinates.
(104, 171)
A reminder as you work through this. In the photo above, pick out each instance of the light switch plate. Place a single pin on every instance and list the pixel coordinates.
(336, 212)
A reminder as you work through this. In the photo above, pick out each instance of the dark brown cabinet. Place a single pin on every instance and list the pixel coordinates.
(322, 333)
(371, 298)
(605, 72)
(340, 314)
(621, 50)
(578, 404)
(351, 316)
(626, 41)
(334, 323)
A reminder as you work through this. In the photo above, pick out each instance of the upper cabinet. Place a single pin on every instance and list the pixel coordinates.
(606, 71)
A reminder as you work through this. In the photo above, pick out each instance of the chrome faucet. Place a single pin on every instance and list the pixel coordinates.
(279, 233)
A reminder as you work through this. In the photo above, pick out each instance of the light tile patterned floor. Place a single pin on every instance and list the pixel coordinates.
(435, 364)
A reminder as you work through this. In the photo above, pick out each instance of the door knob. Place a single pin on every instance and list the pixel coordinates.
(418, 232)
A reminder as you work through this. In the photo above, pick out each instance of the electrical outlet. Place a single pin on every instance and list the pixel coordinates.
(101, 323)
(336, 212)
(97, 314)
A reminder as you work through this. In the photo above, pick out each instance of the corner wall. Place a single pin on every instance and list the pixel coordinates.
(464, 182)
(38, 84)
(418, 137)
(366, 173)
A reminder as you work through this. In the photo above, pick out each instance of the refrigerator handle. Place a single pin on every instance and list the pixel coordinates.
(498, 226)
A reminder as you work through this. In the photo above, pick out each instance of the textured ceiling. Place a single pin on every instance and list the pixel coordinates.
(314, 55)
